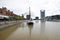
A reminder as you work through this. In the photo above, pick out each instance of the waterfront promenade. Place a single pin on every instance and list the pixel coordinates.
(5, 24)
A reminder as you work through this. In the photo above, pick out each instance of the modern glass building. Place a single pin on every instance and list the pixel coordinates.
(42, 14)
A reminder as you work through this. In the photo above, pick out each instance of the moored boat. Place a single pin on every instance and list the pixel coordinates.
(30, 23)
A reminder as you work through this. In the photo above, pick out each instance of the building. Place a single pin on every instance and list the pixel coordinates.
(6, 14)
(53, 17)
(42, 14)
(28, 17)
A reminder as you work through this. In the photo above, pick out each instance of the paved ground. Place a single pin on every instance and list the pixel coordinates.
(5, 24)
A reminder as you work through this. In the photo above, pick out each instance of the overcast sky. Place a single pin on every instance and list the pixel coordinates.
(52, 7)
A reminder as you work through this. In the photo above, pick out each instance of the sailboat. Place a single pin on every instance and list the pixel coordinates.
(30, 22)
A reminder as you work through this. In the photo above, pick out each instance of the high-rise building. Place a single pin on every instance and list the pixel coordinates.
(42, 14)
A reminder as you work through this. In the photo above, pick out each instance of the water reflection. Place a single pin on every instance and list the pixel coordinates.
(37, 21)
(23, 24)
(42, 32)
(6, 32)
(42, 26)
(30, 29)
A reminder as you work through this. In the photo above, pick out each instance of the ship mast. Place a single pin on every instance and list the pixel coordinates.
(29, 12)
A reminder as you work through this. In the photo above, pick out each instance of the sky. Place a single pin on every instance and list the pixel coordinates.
(19, 7)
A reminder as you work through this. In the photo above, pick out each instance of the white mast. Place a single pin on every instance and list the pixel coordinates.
(28, 1)
(29, 12)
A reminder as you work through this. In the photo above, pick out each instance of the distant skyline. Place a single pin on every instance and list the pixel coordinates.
(52, 7)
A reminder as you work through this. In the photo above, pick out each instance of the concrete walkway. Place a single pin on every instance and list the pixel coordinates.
(8, 23)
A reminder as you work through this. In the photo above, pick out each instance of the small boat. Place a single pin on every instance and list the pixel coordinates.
(30, 23)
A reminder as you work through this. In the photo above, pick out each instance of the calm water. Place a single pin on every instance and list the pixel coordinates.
(39, 31)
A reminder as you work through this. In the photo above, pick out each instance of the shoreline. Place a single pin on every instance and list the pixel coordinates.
(8, 24)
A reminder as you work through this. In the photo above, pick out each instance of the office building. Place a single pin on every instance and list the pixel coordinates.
(42, 14)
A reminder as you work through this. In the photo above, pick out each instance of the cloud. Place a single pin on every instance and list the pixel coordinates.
(52, 7)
